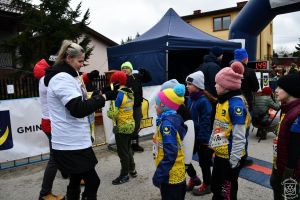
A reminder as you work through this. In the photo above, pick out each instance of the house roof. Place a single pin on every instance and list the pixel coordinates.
(99, 36)
(198, 13)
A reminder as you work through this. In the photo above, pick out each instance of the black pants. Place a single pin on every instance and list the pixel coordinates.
(92, 182)
(124, 151)
(137, 116)
(224, 179)
(50, 171)
(205, 162)
(173, 192)
(278, 188)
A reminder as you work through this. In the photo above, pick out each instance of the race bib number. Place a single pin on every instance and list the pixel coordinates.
(155, 148)
(275, 148)
(218, 139)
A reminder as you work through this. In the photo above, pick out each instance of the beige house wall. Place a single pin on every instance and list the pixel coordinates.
(98, 59)
(264, 40)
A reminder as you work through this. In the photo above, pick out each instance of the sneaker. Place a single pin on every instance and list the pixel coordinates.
(51, 196)
(133, 174)
(120, 180)
(202, 190)
(137, 148)
(192, 183)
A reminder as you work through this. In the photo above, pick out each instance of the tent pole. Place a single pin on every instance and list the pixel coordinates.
(167, 63)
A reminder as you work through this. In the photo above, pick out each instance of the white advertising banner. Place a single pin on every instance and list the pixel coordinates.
(279, 3)
(20, 132)
(148, 122)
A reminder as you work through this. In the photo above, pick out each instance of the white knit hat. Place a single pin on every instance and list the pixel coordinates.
(197, 79)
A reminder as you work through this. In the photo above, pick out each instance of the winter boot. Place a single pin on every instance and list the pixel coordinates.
(195, 181)
(202, 190)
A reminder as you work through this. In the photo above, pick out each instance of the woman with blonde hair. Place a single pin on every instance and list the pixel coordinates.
(71, 116)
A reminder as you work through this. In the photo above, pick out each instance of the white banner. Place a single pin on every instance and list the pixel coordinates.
(279, 3)
(20, 132)
(148, 122)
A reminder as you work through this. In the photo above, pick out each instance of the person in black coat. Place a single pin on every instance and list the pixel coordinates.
(135, 81)
(210, 67)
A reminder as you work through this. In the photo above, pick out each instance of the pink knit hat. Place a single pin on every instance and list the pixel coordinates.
(231, 77)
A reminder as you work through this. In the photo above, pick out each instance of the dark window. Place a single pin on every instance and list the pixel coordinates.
(221, 23)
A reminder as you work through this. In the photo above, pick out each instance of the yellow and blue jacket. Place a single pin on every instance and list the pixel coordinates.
(228, 137)
(122, 111)
(168, 150)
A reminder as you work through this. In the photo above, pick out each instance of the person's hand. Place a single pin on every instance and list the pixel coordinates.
(142, 71)
(116, 86)
(96, 92)
(93, 74)
(111, 95)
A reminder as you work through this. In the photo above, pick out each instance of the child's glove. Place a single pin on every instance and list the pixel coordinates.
(111, 95)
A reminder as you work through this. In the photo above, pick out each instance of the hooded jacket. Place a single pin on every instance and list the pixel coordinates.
(210, 67)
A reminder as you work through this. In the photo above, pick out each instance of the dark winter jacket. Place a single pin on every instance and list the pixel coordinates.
(288, 151)
(261, 107)
(210, 67)
(135, 81)
(249, 85)
(200, 110)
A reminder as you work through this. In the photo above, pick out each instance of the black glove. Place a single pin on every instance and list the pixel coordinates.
(142, 71)
(93, 74)
(108, 88)
(96, 92)
(111, 95)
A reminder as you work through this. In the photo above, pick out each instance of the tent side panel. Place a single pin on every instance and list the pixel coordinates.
(154, 62)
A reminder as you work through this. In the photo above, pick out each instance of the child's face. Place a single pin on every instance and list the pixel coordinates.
(281, 94)
(158, 109)
(220, 90)
(191, 88)
(127, 71)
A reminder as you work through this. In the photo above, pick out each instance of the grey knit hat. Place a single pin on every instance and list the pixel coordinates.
(197, 79)
(169, 84)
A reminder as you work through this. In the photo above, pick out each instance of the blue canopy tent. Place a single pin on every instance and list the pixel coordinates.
(151, 50)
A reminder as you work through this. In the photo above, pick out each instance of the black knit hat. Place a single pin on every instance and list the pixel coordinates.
(217, 51)
(291, 84)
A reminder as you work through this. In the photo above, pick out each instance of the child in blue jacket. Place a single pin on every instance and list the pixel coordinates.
(200, 110)
(167, 144)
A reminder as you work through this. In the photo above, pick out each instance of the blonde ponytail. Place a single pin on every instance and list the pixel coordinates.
(68, 48)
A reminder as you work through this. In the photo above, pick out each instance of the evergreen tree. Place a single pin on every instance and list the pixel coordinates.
(297, 53)
(44, 27)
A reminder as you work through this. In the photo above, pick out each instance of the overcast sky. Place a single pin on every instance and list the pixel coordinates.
(118, 19)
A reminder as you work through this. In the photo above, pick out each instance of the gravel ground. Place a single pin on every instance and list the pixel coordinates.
(25, 182)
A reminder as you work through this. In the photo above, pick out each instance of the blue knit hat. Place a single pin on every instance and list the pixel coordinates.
(241, 55)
